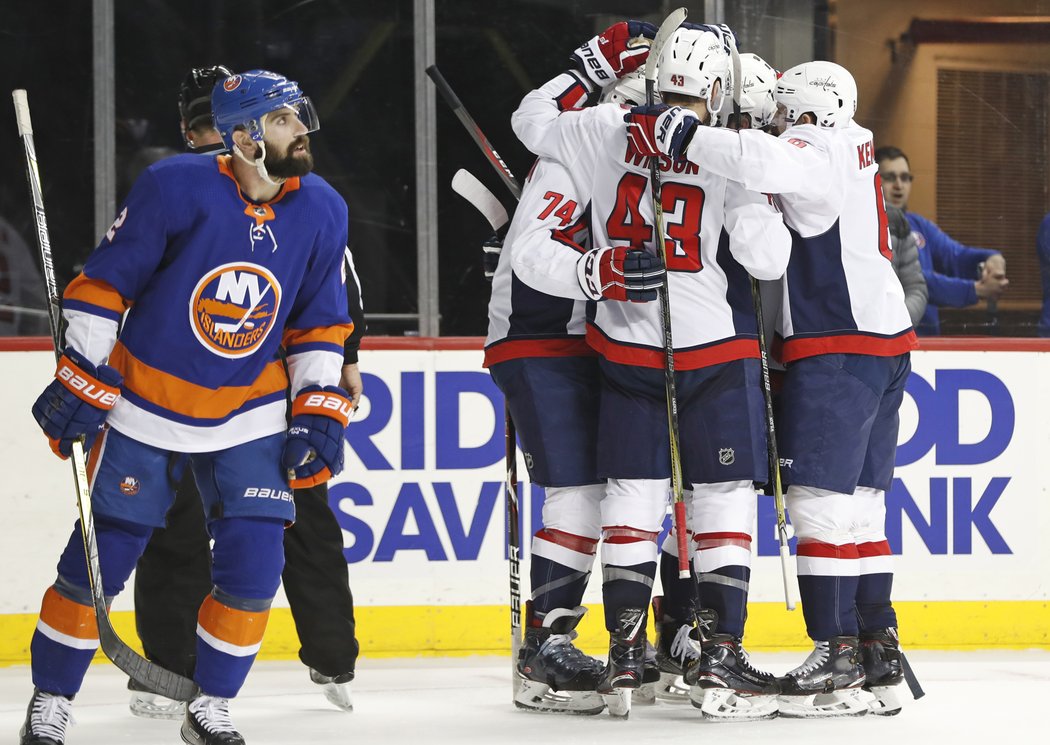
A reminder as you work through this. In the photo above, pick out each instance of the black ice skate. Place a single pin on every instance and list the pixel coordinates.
(208, 722)
(47, 717)
(827, 684)
(724, 684)
(880, 653)
(646, 694)
(556, 676)
(675, 647)
(626, 669)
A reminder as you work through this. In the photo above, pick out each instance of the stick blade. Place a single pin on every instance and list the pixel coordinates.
(467, 186)
(150, 676)
(25, 124)
(667, 28)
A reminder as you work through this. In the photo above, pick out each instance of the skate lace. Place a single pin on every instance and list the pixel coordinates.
(745, 658)
(51, 714)
(683, 647)
(816, 658)
(213, 713)
(559, 648)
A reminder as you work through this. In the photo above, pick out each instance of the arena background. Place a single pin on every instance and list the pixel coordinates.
(961, 86)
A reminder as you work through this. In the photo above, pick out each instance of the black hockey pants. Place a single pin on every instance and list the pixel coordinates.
(174, 575)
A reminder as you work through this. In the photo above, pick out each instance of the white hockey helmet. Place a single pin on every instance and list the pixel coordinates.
(756, 97)
(692, 63)
(824, 89)
(628, 90)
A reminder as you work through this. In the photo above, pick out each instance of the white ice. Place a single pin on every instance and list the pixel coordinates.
(984, 697)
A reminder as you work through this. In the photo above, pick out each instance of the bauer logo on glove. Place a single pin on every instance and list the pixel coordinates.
(313, 452)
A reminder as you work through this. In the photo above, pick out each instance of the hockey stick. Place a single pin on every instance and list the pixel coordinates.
(663, 35)
(152, 677)
(767, 391)
(474, 130)
(511, 454)
(484, 201)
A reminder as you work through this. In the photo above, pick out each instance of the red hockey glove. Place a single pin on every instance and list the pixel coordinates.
(620, 274)
(614, 52)
(660, 129)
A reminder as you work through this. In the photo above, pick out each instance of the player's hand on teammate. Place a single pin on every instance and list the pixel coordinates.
(491, 249)
(660, 129)
(313, 452)
(620, 273)
(614, 52)
(76, 403)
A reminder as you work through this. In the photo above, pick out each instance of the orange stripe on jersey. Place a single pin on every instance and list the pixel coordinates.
(94, 457)
(328, 335)
(67, 617)
(265, 211)
(189, 399)
(240, 628)
(96, 292)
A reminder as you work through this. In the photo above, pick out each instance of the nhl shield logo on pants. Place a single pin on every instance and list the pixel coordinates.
(726, 456)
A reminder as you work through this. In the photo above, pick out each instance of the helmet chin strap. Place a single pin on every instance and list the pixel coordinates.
(260, 164)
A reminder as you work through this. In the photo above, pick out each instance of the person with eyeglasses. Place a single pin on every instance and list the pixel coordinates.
(950, 267)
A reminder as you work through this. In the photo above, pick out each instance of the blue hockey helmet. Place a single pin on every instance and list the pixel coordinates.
(243, 100)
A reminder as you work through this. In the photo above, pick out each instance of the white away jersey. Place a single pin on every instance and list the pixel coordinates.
(841, 294)
(716, 232)
(534, 312)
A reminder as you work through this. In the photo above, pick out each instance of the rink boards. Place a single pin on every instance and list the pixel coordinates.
(422, 508)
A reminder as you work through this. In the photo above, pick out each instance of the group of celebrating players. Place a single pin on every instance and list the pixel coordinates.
(786, 191)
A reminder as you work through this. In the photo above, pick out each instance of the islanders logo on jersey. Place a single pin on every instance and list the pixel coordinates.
(233, 308)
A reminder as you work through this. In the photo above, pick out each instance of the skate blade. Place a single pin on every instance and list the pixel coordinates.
(845, 703)
(886, 702)
(338, 695)
(644, 696)
(152, 706)
(538, 697)
(724, 705)
(618, 702)
(672, 689)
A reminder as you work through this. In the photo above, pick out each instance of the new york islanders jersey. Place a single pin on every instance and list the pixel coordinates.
(534, 312)
(210, 286)
(841, 294)
(716, 233)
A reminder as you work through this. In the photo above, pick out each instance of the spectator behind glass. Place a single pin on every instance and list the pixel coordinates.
(948, 266)
(1042, 245)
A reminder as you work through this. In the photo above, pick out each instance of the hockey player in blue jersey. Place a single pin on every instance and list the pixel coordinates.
(214, 264)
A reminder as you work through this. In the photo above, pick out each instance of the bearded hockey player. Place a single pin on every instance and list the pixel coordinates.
(214, 263)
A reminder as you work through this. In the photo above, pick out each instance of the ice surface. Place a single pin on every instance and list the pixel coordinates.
(972, 697)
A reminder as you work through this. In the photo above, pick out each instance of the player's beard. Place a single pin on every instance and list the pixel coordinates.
(289, 164)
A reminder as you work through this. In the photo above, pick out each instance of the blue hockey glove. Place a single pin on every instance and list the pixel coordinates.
(77, 402)
(313, 452)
